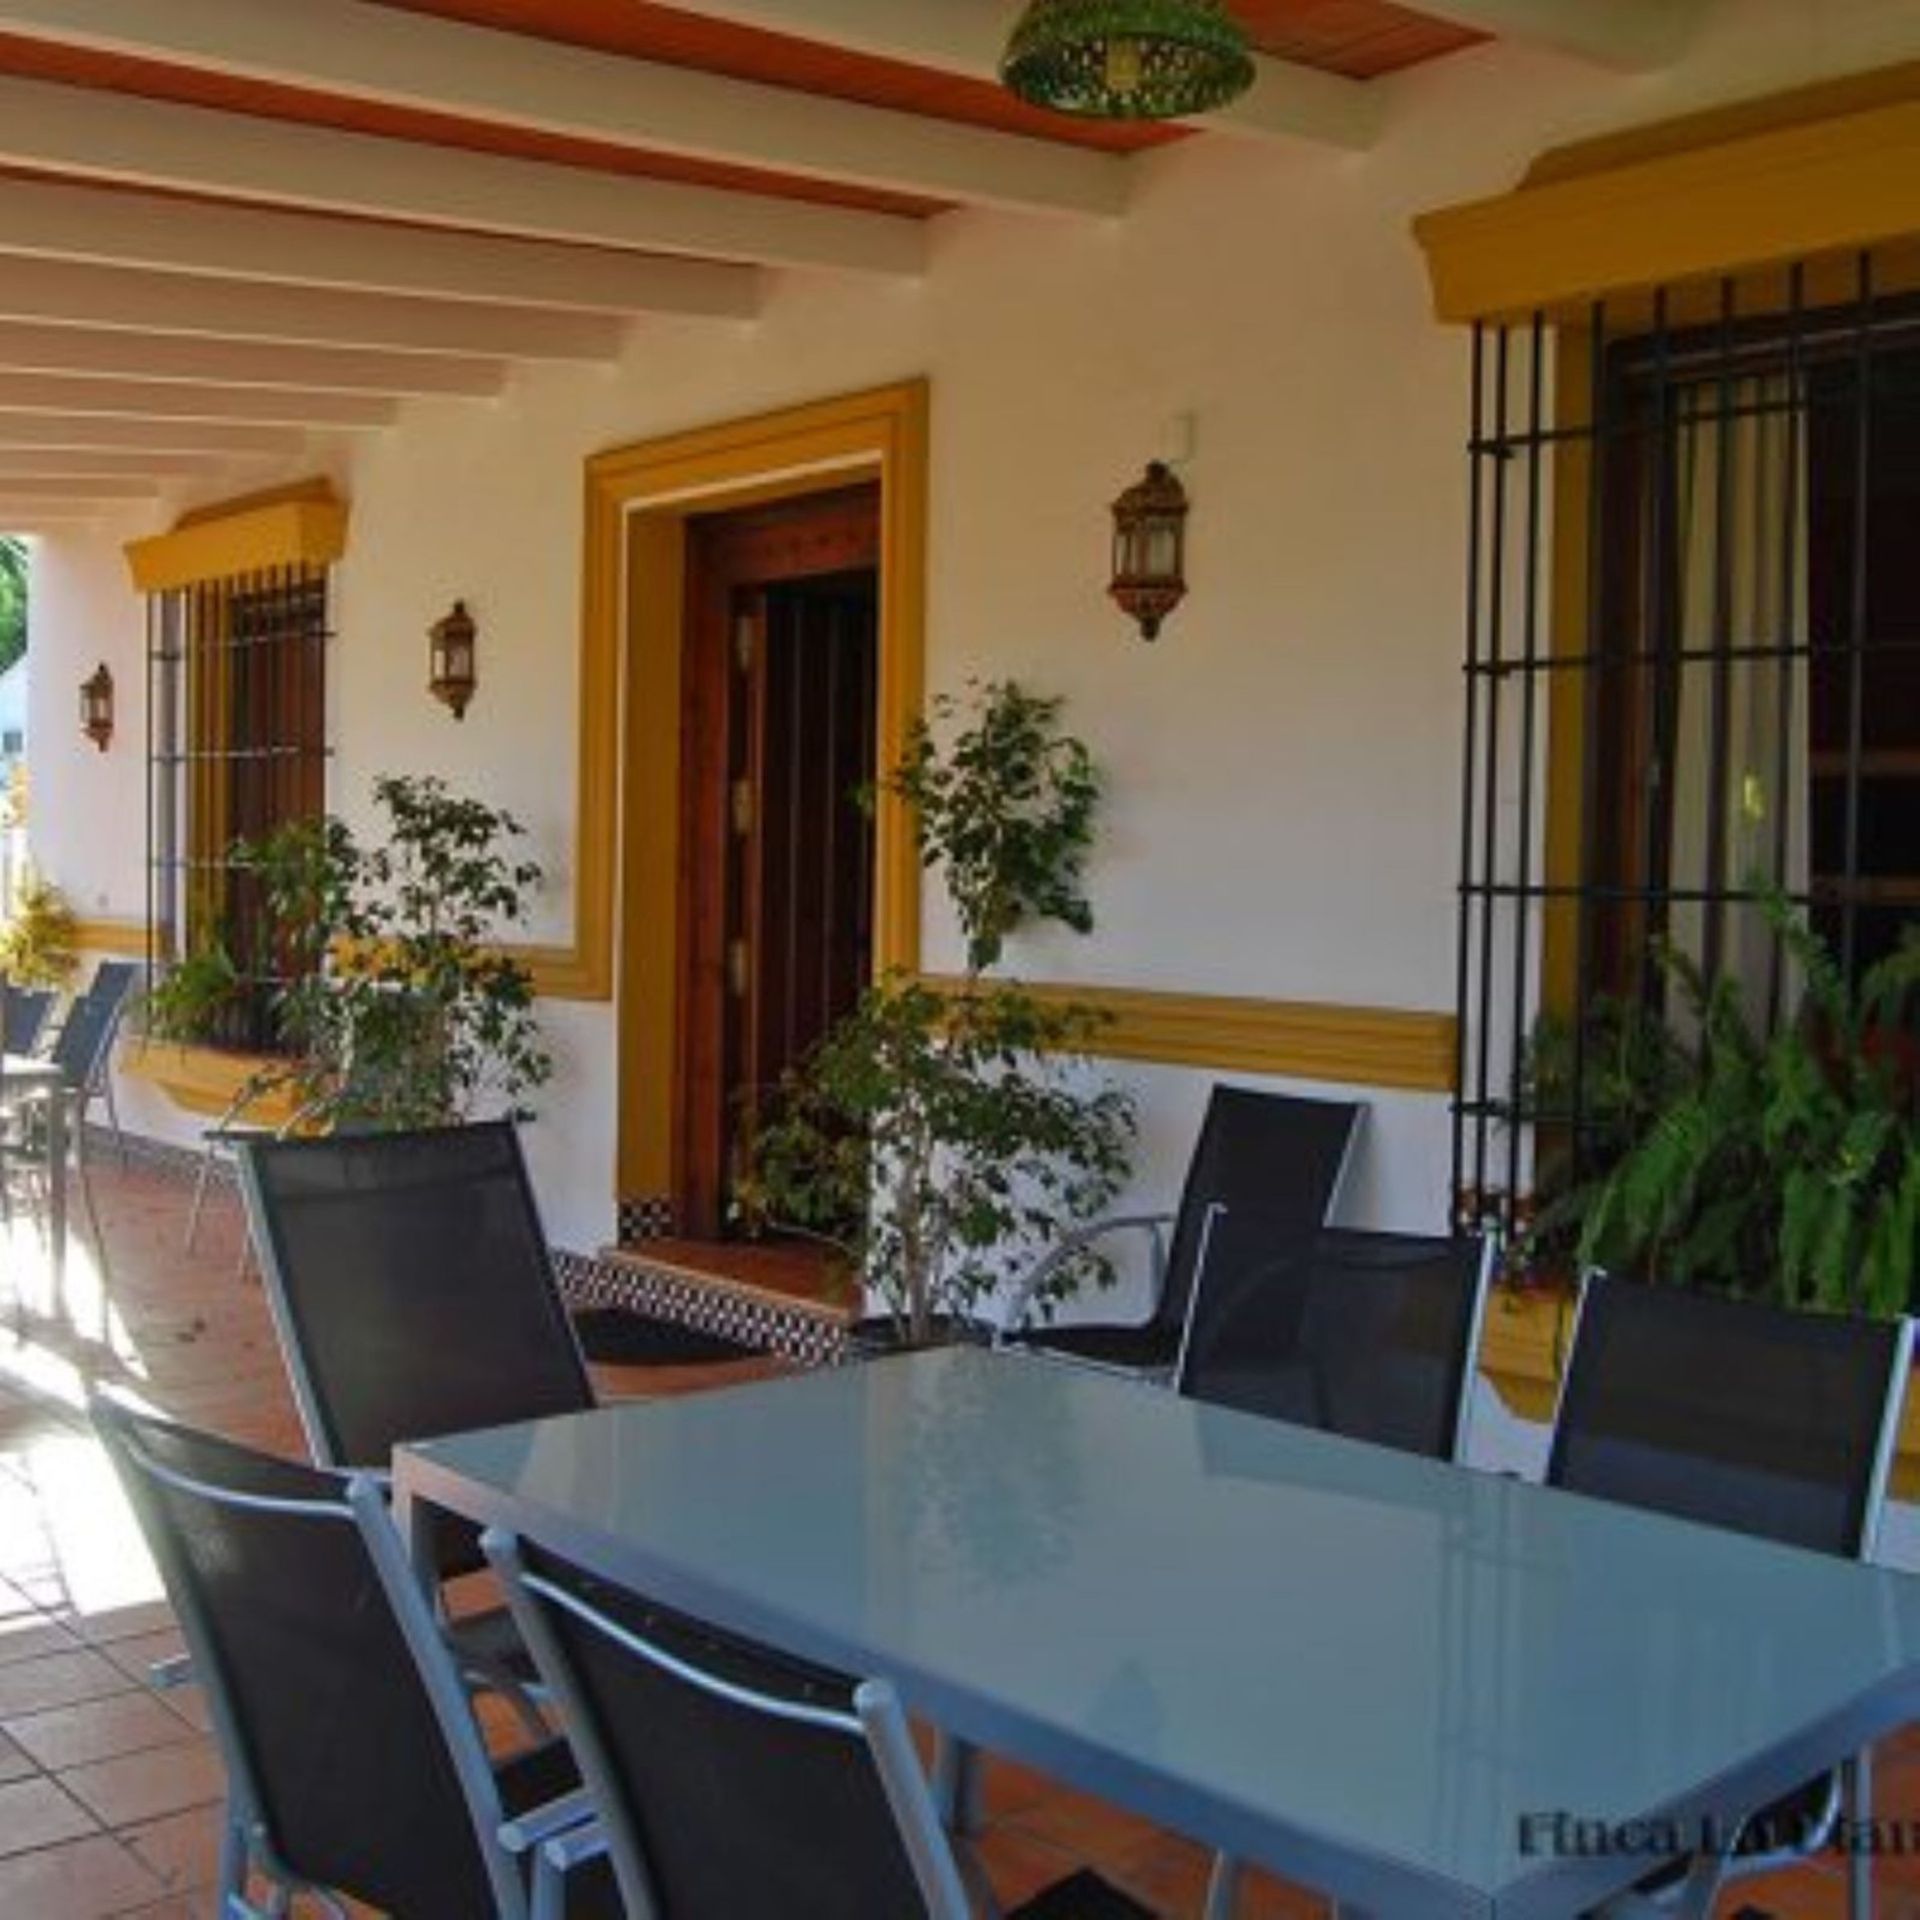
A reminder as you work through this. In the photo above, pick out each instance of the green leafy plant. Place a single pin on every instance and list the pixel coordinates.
(13, 599)
(188, 1002)
(402, 1011)
(39, 945)
(942, 1135)
(1788, 1165)
(1006, 811)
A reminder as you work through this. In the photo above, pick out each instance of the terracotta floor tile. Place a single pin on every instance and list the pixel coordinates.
(114, 1624)
(183, 1849)
(56, 1680)
(82, 1880)
(38, 1813)
(139, 1653)
(98, 1729)
(29, 1633)
(140, 1786)
(14, 1764)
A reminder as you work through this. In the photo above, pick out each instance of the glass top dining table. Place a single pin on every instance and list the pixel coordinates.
(1419, 1688)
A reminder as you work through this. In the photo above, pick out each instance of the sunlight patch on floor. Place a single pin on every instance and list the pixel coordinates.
(62, 1512)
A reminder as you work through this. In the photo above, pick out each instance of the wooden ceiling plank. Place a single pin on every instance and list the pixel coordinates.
(76, 491)
(26, 347)
(223, 440)
(45, 393)
(366, 52)
(133, 298)
(93, 135)
(62, 463)
(113, 226)
(1633, 36)
(1287, 101)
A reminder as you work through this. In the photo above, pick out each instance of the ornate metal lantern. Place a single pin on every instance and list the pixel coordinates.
(96, 706)
(1149, 548)
(1128, 59)
(450, 652)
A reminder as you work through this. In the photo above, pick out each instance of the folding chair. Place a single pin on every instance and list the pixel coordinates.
(27, 1012)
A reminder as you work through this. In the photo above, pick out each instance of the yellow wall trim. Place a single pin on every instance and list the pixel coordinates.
(308, 529)
(1717, 194)
(110, 936)
(1405, 1049)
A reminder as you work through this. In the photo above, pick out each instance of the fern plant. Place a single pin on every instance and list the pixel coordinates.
(1787, 1165)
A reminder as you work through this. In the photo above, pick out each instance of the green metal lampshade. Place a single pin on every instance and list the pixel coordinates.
(1128, 59)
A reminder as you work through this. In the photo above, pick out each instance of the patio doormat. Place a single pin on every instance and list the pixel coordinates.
(618, 1336)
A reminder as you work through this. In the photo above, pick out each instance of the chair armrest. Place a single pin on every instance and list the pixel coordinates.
(559, 1856)
(1027, 1288)
(537, 1825)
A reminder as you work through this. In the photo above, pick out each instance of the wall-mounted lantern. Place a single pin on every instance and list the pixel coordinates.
(1149, 548)
(96, 706)
(450, 658)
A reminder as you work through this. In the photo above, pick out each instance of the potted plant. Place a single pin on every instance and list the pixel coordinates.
(39, 945)
(400, 1009)
(1785, 1165)
(187, 1004)
(943, 1133)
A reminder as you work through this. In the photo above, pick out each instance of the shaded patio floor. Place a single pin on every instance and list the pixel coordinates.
(109, 1792)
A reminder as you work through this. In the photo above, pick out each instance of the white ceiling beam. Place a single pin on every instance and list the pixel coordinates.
(64, 463)
(29, 348)
(94, 135)
(105, 432)
(1288, 100)
(132, 298)
(176, 400)
(110, 226)
(1635, 36)
(444, 66)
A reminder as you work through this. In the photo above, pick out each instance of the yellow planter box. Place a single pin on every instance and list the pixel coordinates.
(207, 1080)
(1523, 1346)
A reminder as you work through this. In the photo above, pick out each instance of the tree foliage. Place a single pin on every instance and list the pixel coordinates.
(944, 1137)
(13, 599)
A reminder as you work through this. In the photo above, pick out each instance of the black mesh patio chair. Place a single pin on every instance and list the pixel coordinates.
(413, 1295)
(81, 1051)
(1743, 1415)
(411, 1286)
(732, 1780)
(27, 1012)
(1372, 1336)
(107, 993)
(1367, 1335)
(354, 1764)
(1281, 1153)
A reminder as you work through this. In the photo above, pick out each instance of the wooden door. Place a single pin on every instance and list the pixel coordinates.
(776, 861)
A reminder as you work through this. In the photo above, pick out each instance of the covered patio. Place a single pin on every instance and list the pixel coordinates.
(543, 516)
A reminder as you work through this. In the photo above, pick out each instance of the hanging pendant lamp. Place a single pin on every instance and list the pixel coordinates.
(1128, 59)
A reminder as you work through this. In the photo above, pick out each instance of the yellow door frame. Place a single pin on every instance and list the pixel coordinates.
(639, 500)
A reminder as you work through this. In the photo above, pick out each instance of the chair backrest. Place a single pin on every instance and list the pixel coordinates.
(1368, 1335)
(27, 1011)
(84, 1041)
(1733, 1412)
(112, 981)
(347, 1738)
(411, 1286)
(730, 1778)
(1276, 1152)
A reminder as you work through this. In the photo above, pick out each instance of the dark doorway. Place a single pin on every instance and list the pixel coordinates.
(781, 686)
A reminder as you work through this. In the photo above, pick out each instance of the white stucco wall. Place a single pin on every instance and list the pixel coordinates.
(1283, 763)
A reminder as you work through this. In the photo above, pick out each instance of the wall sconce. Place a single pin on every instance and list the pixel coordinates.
(1150, 547)
(450, 658)
(96, 706)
